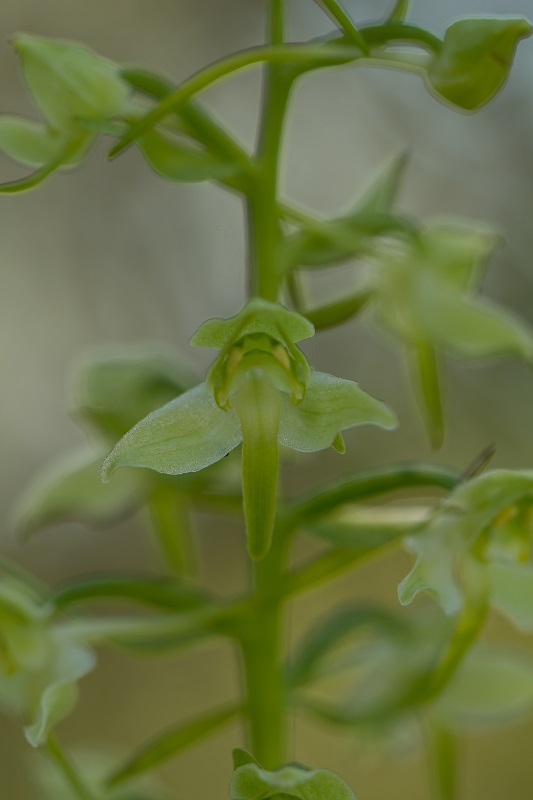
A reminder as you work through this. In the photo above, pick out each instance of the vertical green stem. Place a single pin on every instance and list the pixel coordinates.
(67, 768)
(261, 639)
(262, 651)
(470, 621)
(443, 758)
(264, 233)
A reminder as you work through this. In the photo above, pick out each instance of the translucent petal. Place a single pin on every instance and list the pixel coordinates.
(434, 569)
(257, 316)
(60, 694)
(489, 493)
(188, 434)
(330, 405)
(454, 251)
(511, 593)
(470, 327)
(491, 685)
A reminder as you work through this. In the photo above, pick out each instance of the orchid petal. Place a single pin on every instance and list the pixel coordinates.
(60, 694)
(330, 405)
(257, 316)
(186, 435)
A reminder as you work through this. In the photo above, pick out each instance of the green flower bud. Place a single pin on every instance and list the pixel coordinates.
(475, 60)
(69, 81)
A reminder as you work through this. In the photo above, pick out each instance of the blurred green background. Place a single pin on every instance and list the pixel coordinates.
(111, 254)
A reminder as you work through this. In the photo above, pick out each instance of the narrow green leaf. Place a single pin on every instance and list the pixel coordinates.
(366, 666)
(171, 743)
(339, 311)
(345, 23)
(160, 592)
(372, 483)
(153, 634)
(195, 121)
(382, 193)
(326, 243)
(177, 161)
(361, 537)
(331, 631)
(399, 11)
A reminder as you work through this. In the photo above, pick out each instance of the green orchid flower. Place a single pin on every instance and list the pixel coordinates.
(488, 519)
(71, 86)
(41, 660)
(426, 295)
(260, 391)
(113, 390)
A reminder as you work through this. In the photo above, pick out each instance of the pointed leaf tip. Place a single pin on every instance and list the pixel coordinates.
(242, 757)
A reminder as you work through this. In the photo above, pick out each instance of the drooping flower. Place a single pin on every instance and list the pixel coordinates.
(487, 519)
(41, 660)
(260, 391)
(72, 87)
(427, 296)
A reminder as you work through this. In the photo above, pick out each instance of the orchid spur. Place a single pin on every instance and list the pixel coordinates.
(260, 391)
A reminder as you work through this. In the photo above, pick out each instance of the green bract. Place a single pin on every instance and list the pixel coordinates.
(259, 390)
(475, 59)
(69, 84)
(251, 782)
(40, 661)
